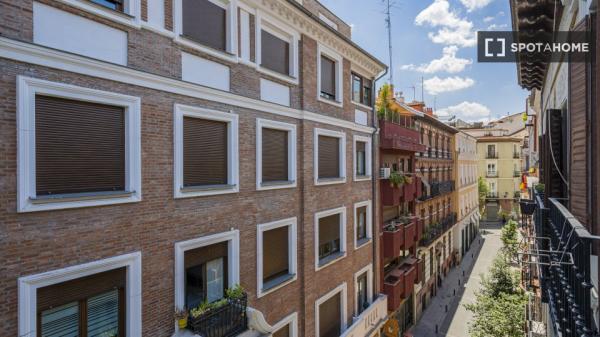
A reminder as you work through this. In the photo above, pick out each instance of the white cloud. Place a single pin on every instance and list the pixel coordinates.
(448, 63)
(475, 4)
(488, 19)
(453, 30)
(437, 85)
(494, 26)
(467, 111)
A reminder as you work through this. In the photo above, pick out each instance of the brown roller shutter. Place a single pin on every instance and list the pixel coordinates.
(274, 155)
(275, 53)
(204, 152)
(328, 77)
(199, 256)
(329, 228)
(205, 22)
(330, 317)
(81, 288)
(79, 146)
(329, 157)
(283, 332)
(275, 253)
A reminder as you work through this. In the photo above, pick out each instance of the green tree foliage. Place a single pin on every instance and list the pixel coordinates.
(383, 104)
(510, 238)
(483, 191)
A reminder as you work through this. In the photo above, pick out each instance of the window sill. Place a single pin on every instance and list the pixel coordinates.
(128, 19)
(77, 200)
(274, 185)
(330, 181)
(199, 191)
(330, 101)
(286, 78)
(329, 260)
(220, 54)
(360, 105)
(275, 284)
(362, 178)
(362, 243)
(59, 198)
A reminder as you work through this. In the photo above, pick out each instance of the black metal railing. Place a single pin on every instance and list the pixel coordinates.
(435, 189)
(491, 155)
(566, 278)
(516, 155)
(491, 174)
(226, 321)
(436, 230)
(492, 195)
(446, 186)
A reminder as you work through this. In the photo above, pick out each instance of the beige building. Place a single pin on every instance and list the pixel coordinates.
(466, 203)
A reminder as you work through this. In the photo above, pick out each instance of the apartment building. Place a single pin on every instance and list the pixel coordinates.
(400, 186)
(564, 124)
(467, 196)
(158, 153)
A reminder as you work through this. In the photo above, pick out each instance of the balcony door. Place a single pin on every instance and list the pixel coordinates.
(205, 274)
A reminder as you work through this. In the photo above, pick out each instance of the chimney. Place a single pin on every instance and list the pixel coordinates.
(429, 111)
(400, 97)
(417, 105)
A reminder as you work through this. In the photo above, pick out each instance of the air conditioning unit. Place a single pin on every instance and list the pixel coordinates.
(384, 172)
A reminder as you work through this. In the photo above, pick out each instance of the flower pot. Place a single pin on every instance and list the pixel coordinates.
(182, 323)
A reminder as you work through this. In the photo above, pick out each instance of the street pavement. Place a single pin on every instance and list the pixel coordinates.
(446, 314)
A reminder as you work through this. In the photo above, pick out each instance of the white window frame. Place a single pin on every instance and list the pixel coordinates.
(360, 72)
(28, 286)
(231, 45)
(232, 238)
(27, 89)
(339, 75)
(292, 224)
(368, 158)
(369, 224)
(342, 289)
(292, 320)
(369, 270)
(284, 32)
(131, 15)
(342, 228)
(292, 153)
(330, 133)
(232, 121)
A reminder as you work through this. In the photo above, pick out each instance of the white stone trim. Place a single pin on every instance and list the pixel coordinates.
(342, 289)
(339, 75)
(47, 57)
(292, 320)
(368, 158)
(292, 224)
(369, 223)
(233, 255)
(230, 54)
(131, 17)
(28, 286)
(292, 153)
(343, 250)
(232, 154)
(284, 32)
(27, 89)
(369, 270)
(337, 134)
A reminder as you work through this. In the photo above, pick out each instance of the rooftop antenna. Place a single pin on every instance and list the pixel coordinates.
(388, 23)
(422, 93)
(414, 92)
(434, 103)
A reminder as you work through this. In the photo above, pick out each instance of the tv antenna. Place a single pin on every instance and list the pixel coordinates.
(389, 4)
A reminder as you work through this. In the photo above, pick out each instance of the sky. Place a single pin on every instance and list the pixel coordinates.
(435, 40)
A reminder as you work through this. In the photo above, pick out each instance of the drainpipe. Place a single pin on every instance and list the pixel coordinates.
(374, 175)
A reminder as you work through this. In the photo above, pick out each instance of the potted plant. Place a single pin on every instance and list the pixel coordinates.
(181, 316)
(397, 179)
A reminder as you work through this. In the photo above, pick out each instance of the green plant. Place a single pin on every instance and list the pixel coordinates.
(540, 188)
(201, 309)
(235, 292)
(510, 239)
(397, 179)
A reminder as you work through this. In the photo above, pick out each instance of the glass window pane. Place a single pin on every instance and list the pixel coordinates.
(61, 321)
(103, 315)
(214, 280)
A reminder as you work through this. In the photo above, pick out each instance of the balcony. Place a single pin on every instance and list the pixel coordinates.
(399, 234)
(492, 195)
(517, 174)
(566, 278)
(436, 230)
(369, 319)
(393, 196)
(516, 155)
(491, 155)
(399, 282)
(399, 136)
(444, 187)
(491, 174)
(228, 318)
(420, 228)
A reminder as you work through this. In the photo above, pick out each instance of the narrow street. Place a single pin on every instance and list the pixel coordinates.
(454, 322)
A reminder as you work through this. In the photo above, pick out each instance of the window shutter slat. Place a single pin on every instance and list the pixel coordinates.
(275, 53)
(329, 317)
(80, 146)
(204, 152)
(205, 22)
(329, 157)
(329, 228)
(274, 155)
(275, 253)
(198, 256)
(328, 76)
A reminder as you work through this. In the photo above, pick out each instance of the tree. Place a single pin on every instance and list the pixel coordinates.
(483, 192)
(384, 104)
(500, 279)
(510, 238)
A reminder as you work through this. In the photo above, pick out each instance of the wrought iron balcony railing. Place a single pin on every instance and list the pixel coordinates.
(491, 155)
(436, 230)
(491, 174)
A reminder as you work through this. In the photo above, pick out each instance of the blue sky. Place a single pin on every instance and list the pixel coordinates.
(426, 30)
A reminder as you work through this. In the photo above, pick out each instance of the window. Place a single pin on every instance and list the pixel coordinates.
(362, 158)
(361, 90)
(277, 257)
(287, 327)
(275, 53)
(330, 77)
(206, 152)
(116, 5)
(363, 286)
(330, 236)
(329, 157)
(205, 267)
(330, 313)
(84, 149)
(92, 299)
(362, 223)
(275, 155)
